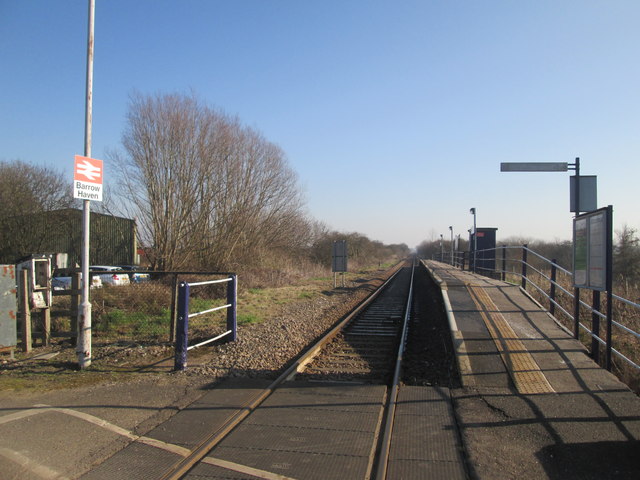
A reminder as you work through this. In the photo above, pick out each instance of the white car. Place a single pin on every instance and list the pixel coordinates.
(113, 276)
(61, 280)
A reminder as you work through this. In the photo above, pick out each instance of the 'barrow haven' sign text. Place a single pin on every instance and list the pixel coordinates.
(87, 179)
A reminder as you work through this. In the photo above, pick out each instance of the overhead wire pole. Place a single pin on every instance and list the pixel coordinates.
(83, 349)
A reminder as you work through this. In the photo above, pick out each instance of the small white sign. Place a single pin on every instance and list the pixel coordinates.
(87, 179)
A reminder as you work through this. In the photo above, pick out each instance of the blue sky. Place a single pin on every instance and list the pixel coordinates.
(396, 115)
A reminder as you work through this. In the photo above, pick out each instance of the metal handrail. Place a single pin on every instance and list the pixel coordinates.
(542, 274)
(551, 262)
(627, 359)
(628, 302)
(527, 266)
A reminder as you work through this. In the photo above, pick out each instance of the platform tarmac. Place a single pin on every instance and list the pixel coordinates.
(532, 405)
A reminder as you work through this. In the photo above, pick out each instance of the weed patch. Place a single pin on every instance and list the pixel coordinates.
(248, 319)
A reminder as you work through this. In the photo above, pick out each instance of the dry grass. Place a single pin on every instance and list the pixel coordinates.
(254, 305)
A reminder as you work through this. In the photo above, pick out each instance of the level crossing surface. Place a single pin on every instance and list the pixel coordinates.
(304, 430)
(532, 404)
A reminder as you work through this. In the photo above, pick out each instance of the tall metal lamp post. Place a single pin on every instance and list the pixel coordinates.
(451, 230)
(472, 211)
(441, 248)
(83, 346)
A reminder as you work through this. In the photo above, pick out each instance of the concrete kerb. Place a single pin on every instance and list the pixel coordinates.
(462, 358)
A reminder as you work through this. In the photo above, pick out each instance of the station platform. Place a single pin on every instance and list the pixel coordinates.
(533, 403)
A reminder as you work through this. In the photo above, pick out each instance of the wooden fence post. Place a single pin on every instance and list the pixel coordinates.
(45, 316)
(25, 311)
(75, 305)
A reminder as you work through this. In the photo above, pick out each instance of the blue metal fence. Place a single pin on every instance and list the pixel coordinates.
(182, 324)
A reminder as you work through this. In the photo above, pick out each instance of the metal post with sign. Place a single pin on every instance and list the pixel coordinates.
(87, 185)
(582, 200)
(339, 260)
(593, 264)
(583, 189)
(592, 245)
(87, 173)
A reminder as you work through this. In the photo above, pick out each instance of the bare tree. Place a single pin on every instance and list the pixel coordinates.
(207, 191)
(28, 193)
(260, 206)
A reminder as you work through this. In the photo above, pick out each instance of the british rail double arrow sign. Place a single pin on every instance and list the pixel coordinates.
(87, 178)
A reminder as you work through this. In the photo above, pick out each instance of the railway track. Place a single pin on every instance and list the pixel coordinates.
(365, 348)
(331, 414)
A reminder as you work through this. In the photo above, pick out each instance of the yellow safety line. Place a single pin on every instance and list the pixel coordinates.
(523, 369)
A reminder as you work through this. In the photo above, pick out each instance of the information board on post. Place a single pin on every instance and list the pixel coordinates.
(592, 245)
(339, 257)
(339, 260)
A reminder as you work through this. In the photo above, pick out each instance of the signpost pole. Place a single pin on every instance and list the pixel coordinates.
(451, 229)
(83, 349)
(609, 282)
(339, 260)
(472, 211)
(576, 290)
(558, 167)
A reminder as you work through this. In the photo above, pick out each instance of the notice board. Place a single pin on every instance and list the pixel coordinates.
(339, 257)
(592, 249)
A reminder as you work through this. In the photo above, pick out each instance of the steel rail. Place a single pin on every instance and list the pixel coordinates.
(385, 445)
(184, 465)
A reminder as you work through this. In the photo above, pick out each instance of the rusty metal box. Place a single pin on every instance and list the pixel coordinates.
(8, 307)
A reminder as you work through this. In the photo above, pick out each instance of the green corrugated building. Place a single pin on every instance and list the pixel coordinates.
(113, 239)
